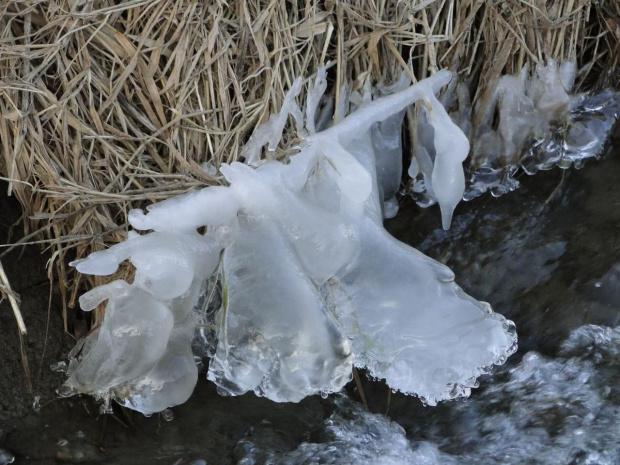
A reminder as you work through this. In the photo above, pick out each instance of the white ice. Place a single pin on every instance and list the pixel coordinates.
(312, 283)
(529, 120)
(277, 335)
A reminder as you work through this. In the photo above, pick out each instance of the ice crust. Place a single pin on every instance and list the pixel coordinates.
(530, 121)
(312, 284)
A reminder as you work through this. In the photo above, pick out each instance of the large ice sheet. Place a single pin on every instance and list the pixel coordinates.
(311, 281)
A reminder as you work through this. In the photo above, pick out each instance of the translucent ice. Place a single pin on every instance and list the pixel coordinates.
(271, 132)
(540, 126)
(527, 121)
(315, 93)
(311, 281)
(412, 325)
(386, 139)
(277, 336)
(170, 382)
(142, 354)
(131, 340)
(451, 149)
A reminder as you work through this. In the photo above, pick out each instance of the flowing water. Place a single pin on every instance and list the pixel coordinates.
(546, 256)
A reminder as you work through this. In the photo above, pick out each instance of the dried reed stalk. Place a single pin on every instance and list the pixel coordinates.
(107, 106)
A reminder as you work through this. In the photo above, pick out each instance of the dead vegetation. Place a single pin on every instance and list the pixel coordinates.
(111, 105)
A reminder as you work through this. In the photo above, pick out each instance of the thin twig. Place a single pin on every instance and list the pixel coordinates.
(13, 301)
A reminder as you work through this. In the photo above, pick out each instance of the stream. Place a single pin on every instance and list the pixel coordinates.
(546, 256)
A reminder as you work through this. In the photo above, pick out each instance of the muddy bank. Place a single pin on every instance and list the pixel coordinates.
(46, 341)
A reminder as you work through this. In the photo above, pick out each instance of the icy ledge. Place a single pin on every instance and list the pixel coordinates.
(312, 284)
(530, 121)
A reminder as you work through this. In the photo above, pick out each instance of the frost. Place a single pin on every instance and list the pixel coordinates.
(311, 282)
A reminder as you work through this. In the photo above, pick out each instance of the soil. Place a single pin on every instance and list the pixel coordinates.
(46, 341)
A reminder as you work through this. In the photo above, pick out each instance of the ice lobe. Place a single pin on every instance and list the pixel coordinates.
(277, 336)
(451, 149)
(312, 284)
(141, 355)
(132, 339)
(416, 328)
(409, 323)
(170, 382)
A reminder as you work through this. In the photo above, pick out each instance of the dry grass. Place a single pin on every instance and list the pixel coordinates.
(110, 105)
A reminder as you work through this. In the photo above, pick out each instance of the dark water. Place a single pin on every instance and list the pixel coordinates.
(546, 256)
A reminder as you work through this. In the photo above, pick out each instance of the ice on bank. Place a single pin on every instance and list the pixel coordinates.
(312, 284)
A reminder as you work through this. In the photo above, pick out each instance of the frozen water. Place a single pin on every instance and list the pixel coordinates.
(133, 337)
(582, 137)
(540, 126)
(214, 206)
(170, 382)
(311, 281)
(529, 121)
(387, 144)
(451, 149)
(412, 325)
(277, 336)
(315, 93)
(142, 352)
(271, 132)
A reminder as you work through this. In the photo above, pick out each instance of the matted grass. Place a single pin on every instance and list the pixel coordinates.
(111, 105)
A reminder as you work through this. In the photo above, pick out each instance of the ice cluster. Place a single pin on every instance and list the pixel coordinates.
(312, 284)
(529, 121)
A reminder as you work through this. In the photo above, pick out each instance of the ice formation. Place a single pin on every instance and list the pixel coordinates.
(312, 284)
(527, 122)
